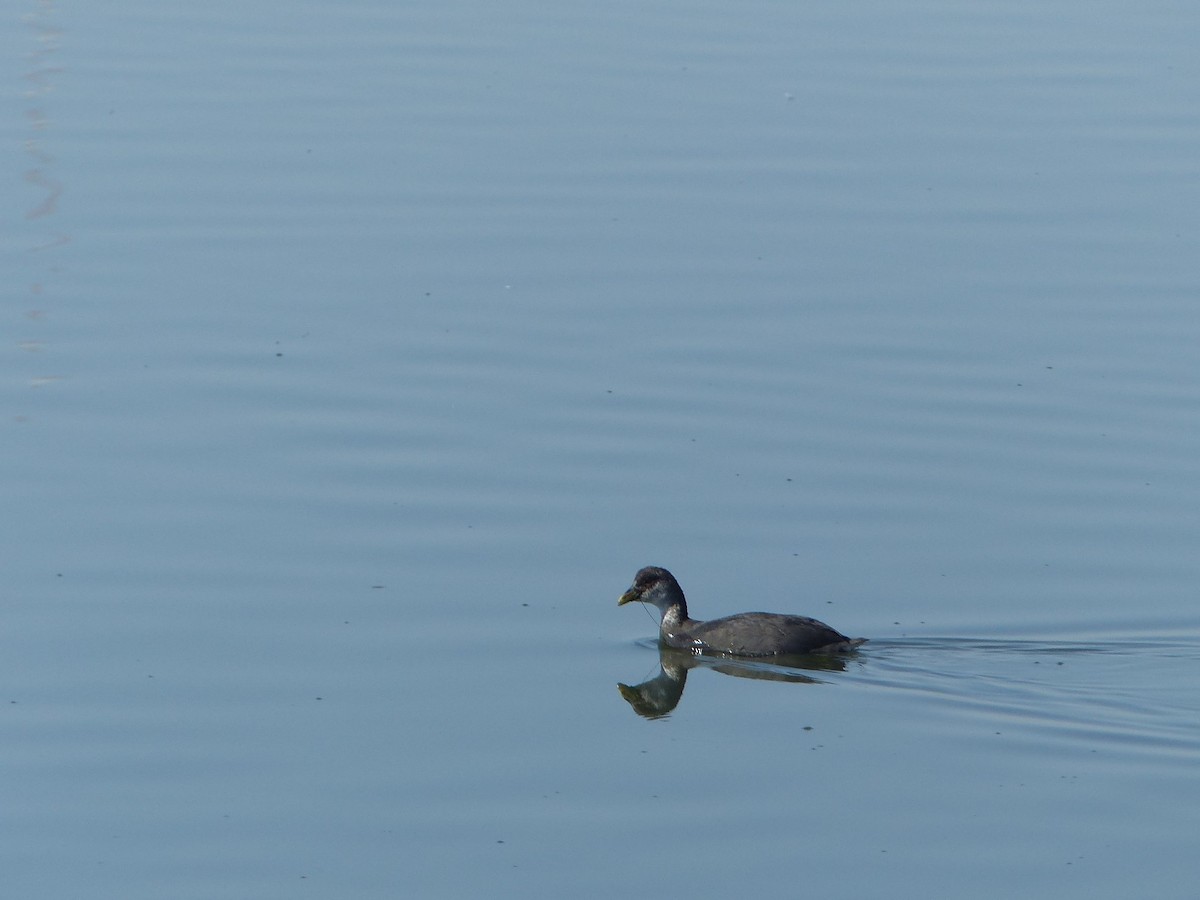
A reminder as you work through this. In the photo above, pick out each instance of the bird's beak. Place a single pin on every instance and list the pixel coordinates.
(629, 596)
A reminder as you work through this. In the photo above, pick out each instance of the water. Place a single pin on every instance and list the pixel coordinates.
(358, 355)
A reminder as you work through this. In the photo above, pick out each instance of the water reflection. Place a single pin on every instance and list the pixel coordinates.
(658, 696)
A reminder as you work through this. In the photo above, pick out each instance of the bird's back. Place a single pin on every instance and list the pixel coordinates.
(769, 634)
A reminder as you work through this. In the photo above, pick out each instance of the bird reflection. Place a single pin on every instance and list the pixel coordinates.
(658, 696)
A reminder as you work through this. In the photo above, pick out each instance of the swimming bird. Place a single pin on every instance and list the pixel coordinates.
(753, 634)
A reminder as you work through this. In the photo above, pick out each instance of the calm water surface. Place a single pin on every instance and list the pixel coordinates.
(356, 355)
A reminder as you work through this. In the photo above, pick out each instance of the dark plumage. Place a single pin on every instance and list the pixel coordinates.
(754, 634)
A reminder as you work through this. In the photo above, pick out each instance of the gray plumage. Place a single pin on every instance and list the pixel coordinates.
(752, 634)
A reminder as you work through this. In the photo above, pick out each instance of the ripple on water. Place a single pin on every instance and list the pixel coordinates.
(1106, 694)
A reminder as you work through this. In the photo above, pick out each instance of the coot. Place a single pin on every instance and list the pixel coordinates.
(754, 634)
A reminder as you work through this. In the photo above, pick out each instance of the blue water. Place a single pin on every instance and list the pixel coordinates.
(358, 355)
